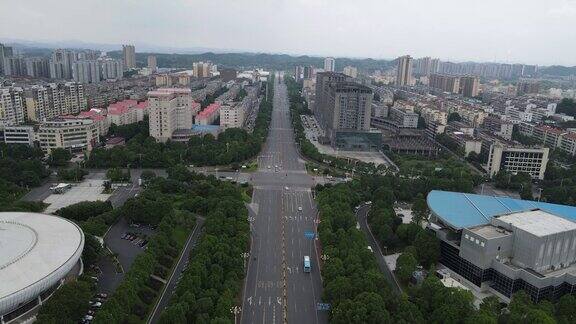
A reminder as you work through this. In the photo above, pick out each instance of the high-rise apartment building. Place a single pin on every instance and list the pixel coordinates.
(329, 64)
(404, 71)
(129, 56)
(112, 69)
(37, 67)
(448, 83)
(470, 85)
(53, 100)
(527, 87)
(5, 51)
(170, 109)
(11, 106)
(351, 71)
(298, 73)
(529, 71)
(152, 64)
(435, 65)
(422, 66)
(61, 64)
(15, 66)
(202, 69)
(86, 71)
(323, 79)
(308, 72)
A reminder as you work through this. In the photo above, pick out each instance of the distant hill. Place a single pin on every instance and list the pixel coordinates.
(250, 60)
(558, 70)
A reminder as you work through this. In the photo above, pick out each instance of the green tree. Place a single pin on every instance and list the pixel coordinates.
(492, 306)
(428, 248)
(405, 265)
(67, 305)
(566, 309)
(59, 157)
(420, 210)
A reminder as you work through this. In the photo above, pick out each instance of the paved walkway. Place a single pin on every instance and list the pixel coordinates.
(361, 215)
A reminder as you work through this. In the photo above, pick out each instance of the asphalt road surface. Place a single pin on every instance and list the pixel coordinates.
(277, 290)
(176, 275)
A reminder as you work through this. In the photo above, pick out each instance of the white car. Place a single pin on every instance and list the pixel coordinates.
(286, 188)
(88, 318)
(299, 208)
(370, 249)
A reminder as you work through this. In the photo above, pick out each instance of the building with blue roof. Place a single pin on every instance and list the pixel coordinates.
(504, 244)
(461, 210)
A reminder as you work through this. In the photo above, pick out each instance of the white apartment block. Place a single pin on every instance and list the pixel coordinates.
(350, 71)
(232, 116)
(86, 71)
(12, 108)
(129, 56)
(23, 134)
(112, 69)
(202, 69)
(329, 64)
(403, 118)
(517, 159)
(169, 109)
(76, 135)
(53, 100)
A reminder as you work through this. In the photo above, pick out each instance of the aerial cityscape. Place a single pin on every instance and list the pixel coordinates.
(287, 162)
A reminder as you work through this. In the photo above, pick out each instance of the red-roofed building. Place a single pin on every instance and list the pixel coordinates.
(98, 116)
(550, 136)
(126, 112)
(141, 110)
(208, 115)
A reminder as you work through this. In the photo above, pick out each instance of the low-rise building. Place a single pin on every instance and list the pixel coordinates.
(209, 115)
(506, 244)
(504, 157)
(75, 135)
(22, 134)
(231, 116)
(123, 113)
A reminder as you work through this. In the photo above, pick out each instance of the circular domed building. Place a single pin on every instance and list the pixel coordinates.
(37, 252)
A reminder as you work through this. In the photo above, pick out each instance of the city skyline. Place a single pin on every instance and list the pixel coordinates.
(492, 36)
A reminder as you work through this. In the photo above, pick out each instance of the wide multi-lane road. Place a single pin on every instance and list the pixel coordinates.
(283, 217)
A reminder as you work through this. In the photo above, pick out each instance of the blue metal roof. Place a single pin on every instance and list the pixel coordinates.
(462, 210)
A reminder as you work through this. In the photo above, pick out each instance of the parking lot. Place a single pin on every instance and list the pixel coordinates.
(87, 190)
(127, 242)
(311, 128)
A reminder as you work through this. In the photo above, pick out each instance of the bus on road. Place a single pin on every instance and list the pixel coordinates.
(307, 266)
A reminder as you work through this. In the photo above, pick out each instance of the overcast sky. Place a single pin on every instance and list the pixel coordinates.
(526, 31)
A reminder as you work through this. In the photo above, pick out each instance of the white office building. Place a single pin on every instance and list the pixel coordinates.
(75, 135)
(169, 109)
(531, 160)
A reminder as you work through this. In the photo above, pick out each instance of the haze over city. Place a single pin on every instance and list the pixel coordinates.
(287, 161)
(530, 32)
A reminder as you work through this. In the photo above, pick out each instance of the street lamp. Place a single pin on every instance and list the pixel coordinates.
(235, 310)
